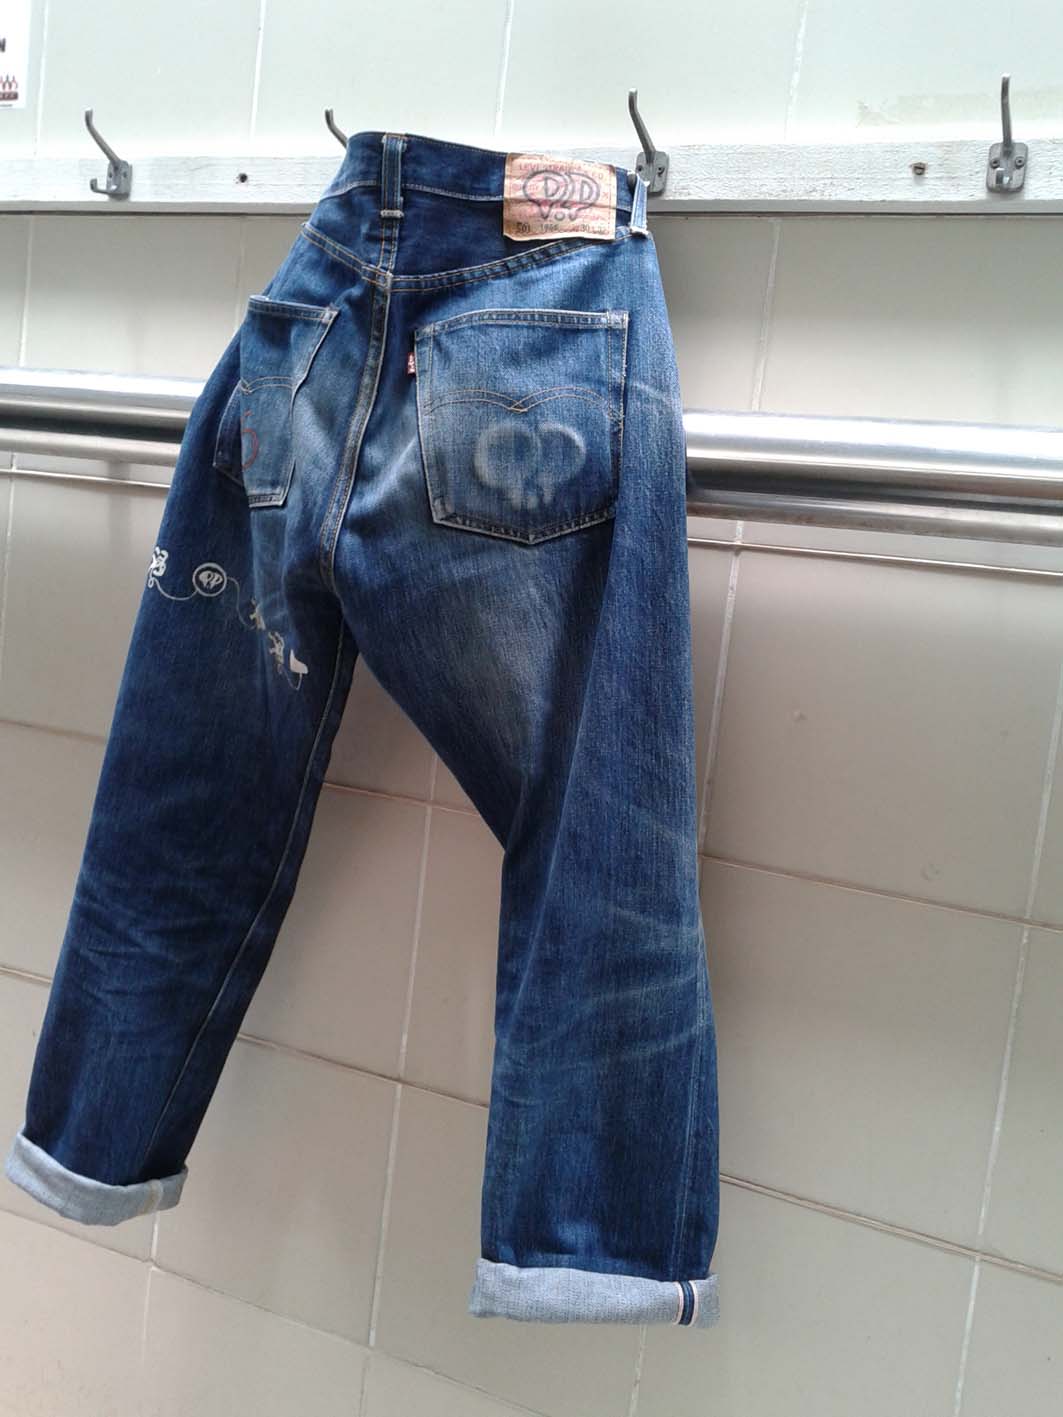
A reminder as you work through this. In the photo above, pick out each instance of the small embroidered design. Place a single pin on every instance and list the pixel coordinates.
(158, 565)
(209, 580)
(411, 363)
(250, 443)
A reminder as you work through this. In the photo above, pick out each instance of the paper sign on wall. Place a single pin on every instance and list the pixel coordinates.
(14, 52)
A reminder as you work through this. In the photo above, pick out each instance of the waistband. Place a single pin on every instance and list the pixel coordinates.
(392, 161)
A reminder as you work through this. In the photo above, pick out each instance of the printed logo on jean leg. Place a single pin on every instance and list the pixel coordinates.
(209, 580)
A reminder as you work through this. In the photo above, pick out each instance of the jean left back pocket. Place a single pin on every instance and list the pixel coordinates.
(255, 444)
(520, 417)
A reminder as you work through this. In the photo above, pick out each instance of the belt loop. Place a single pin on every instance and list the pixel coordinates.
(391, 174)
(638, 206)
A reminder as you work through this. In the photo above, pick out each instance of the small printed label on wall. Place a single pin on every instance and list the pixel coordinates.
(14, 52)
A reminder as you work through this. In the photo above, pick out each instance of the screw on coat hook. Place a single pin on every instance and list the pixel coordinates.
(650, 163)
(1007, 160)
(119, 173)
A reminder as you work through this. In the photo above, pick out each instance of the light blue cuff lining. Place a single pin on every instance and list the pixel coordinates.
(80, 1197)
(562, 1295)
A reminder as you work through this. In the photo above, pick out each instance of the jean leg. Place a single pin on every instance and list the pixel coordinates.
(555, 681)
(232, 690)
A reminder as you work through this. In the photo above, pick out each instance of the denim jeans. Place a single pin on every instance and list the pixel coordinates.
(447, 436)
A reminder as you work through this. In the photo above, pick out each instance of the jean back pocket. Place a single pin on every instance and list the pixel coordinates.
(520, 418)
(255, 444)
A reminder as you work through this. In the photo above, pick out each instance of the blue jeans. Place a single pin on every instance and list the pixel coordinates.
(460, 453)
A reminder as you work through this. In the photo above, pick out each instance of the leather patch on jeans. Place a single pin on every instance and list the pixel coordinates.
(552, 196)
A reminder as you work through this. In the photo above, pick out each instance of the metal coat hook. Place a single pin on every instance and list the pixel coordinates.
(650, 163)
(1007, 160)
(119, 173)
(336, 132)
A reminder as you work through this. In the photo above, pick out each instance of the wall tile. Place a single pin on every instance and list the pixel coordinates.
(885, 316)
(691, 86)
(283, 1200)
(861, 1040)
(451, 1041)
(563, 1370)
(1025, 1218)
(435, 72)
(860, 71)
(817, 1315)
(397, 1389)
(71, 1322)
(710, 572)
(153, 91)
(338, 976)
(714, 270)
(1048, 901)
(78, 562)
(377, 745)
(886, 726)
(147, 294)
(52, 777)
(1016, 1351)
(247, 1362)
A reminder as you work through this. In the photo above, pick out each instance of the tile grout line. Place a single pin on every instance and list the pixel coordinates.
(256, 75)
(731, 600)
(640, 1353)
(1009, 1045)
(716, 713)
(23, 338)
(897, 1232)
(142, 1365)
(374, 1308)
(503, 69)
(8, 544)
(795, 74)
(882, 893)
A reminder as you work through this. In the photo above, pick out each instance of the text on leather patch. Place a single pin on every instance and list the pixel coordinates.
(552, 196)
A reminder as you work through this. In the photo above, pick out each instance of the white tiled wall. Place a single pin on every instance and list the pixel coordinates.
(878, 756)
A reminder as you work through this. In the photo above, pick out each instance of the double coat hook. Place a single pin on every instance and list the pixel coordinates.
(119, 172)
(651, 163)
(1007, 159)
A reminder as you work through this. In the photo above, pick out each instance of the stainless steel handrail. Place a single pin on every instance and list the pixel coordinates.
(998, 481)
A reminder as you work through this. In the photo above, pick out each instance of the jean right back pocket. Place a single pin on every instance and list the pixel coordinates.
(520, 416)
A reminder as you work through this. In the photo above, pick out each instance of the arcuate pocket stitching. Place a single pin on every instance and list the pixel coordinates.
(255, 442)
(520, 419)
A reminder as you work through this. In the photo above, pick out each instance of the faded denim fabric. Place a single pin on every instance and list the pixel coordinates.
(462, 455)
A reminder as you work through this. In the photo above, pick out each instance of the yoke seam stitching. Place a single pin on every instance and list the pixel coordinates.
(506, 265)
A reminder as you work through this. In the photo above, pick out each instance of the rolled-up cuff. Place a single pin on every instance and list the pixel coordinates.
(563, 1295)
(80, 1197)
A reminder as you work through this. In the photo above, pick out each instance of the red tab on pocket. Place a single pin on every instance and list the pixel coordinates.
(411, 363)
